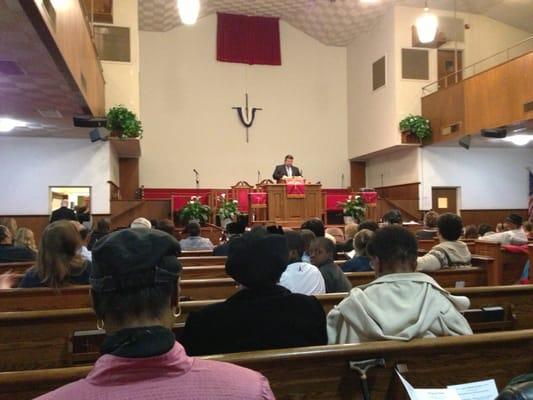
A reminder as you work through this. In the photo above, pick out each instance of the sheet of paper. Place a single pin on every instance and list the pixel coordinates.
(428, 394)
(482, 390)
(442, 202)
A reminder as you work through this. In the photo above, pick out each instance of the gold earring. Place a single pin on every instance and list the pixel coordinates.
(100, 324)
(176, 315)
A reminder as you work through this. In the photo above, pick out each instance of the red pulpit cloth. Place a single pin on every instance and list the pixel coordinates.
(370, 198)
(295, 188)
(258, 198)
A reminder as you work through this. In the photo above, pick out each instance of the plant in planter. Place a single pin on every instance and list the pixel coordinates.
(354, 207)
(194, 210)
(228, 210)
(123, 123)
(416, 125)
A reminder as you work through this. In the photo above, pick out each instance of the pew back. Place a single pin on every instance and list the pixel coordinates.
(47, 333)
(324, 372)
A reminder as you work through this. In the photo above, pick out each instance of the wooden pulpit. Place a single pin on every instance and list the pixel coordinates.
(284, 207)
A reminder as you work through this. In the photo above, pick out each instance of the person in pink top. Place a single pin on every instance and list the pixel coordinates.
(134, 287)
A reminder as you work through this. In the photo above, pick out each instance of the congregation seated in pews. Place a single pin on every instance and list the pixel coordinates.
(260, 316)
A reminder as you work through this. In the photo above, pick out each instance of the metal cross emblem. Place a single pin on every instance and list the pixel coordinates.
(247, 117)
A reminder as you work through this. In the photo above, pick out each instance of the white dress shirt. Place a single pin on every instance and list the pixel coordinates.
(289, 171)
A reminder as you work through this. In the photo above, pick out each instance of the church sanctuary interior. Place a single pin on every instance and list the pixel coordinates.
(266, 199)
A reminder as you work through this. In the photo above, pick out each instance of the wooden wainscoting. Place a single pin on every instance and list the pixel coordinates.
(491, 217)
(403, 197)
(37, 223)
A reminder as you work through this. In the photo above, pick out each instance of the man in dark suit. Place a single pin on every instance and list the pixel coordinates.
(63, 212)
(286, 169)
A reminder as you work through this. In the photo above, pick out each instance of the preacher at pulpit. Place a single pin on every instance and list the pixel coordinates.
(286, 170)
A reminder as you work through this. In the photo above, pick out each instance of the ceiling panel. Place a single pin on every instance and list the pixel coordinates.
(334, 23)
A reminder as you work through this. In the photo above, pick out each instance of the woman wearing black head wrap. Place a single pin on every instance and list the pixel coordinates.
(262, 315)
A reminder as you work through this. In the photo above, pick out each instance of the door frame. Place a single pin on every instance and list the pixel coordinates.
(457, 193)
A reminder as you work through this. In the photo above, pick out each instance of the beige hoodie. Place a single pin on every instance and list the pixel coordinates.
(400, 306)
(447, 254)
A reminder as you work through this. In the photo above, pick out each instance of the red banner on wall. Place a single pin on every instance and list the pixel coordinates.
(248, 40)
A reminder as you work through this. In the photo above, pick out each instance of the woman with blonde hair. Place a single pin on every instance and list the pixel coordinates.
(58, 263)
(25, 238)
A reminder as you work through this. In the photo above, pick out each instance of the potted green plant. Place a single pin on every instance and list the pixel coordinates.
(228, 210)
(415, 127)
(353, 209)
(123, 123)
(194, 210)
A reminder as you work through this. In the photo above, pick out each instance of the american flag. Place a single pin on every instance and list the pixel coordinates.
(530, 196)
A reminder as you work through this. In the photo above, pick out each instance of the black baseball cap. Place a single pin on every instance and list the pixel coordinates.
(132, 259)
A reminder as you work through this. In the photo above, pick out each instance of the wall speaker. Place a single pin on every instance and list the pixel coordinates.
(464, 142)
(98, 134)
(497, 133)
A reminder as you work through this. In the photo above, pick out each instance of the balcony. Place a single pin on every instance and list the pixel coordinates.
(498, 96)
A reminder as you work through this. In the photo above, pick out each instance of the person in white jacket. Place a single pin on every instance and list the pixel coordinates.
(450, 252)
(514, 233)
(400, 304)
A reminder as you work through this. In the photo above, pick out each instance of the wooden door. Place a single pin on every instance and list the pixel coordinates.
(444, 200)
(446, 66)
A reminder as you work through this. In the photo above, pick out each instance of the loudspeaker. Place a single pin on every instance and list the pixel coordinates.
(87, 121)
(465, 141)
(98, 134)
(497, 133)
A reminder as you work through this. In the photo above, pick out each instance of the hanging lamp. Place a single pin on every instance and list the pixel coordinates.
(189, 10)
(426, 26)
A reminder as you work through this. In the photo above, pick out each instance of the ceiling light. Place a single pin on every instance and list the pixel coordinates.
(8, 124)
(426, 26)
(519, 140)
(189, 10)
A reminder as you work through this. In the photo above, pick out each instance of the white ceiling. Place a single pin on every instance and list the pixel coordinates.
(334, 23)
(39, 94)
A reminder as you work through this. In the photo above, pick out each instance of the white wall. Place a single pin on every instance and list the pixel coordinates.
(489, 178)
(371, 124)
(122, 79)
(397, 168)
(31, 165)
(484, 38)
(186, 101)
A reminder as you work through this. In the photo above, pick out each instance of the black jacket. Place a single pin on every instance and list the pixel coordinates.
(9, 253)
(250, 320)
(221, 250)
(280, 171)
(63, 213)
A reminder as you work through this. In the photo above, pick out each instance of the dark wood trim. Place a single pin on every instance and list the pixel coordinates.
(396, 186)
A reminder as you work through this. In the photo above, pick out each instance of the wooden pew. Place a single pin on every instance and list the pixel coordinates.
(48, 333)
(325, 371)
(448, 278)
(207, 272)
(204, 289)
(200, 261)
(197, 253)
(427, 244)
(16, 267)
(507, 266)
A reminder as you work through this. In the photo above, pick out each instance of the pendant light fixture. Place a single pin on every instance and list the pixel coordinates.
(189, 10)
(426, 26)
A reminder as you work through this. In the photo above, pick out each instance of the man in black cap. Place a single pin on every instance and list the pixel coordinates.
(514, 234)
(134, 286)
(262, 315)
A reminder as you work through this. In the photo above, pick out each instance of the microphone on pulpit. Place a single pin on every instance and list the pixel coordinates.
(301, 172)
(197, 177)
(258, 176)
